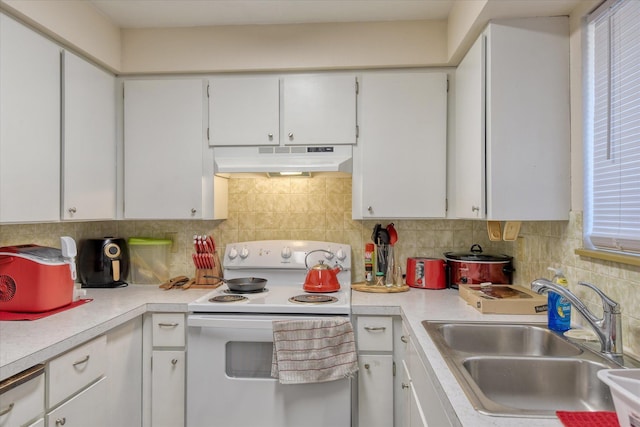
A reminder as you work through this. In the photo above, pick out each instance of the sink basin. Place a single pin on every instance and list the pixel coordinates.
(521, 370)
(538, 386)
(502, 339)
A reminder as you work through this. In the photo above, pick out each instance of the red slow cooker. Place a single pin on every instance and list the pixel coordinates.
(477, 267)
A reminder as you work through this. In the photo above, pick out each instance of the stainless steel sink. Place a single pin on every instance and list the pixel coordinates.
(521, 370)
(535, 385)
(501, 339)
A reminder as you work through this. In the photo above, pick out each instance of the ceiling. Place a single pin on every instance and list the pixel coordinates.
(192, 13)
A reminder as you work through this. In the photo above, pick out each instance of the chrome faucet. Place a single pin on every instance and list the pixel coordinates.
(608, 329)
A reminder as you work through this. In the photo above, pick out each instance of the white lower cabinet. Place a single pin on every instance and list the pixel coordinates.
(422, 403)
(87, 408)
(76, 386)
(374, 335)
(124, 374)
(22, 398)
(167, 397)
(375, 390)
(164, 370)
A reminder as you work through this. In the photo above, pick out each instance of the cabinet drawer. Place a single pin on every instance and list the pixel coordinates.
(86, 409)
(77, 368)
(375, 333)
(22, 397)
(168, 329)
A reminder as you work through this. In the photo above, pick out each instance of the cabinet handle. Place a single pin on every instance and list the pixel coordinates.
(81, 361)
(7, 409)
(366, 366)
(72, 210)
(404, 339)
(193, 211)
(270, 137)
(405, 386)
(475, 208)
(375, 328)
(61, 421)
(168, 325)
(174, 362)
(291, 136)
(370, 209)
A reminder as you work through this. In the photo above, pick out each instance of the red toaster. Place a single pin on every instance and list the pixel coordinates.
(34, 279)
(427, 273)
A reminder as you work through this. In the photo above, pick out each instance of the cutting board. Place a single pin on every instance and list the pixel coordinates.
(363, 287)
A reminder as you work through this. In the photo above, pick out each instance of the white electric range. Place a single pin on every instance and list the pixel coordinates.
(230, 340)
(282, 264)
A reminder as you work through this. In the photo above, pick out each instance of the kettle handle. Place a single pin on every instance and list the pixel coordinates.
(310, 252)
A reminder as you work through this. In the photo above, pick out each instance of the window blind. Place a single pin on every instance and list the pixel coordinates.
(612, 211)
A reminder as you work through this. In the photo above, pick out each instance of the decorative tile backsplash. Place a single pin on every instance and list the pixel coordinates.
(319, 208)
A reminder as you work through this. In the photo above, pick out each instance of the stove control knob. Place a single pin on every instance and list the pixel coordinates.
(244, 252)
(286, 252)
(341, 255)
(233, 253)
(328, 254)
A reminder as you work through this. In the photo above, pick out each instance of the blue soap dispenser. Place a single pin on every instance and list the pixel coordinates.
(559, 308)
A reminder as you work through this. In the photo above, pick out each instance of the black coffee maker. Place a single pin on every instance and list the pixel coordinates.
(103, 263)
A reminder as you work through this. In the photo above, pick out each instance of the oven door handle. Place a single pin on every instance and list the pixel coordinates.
(239, 321)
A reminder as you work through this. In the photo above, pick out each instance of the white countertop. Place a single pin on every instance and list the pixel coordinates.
(27, 343)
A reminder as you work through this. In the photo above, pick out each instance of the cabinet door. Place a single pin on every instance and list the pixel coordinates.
(319, 109)
(470, 134)
(85, 409)
(163, 149)
(168, 388)
(244, 111)
(124, 374)
(375, 390)
(29, 125)
(403, 146)
(89, 141)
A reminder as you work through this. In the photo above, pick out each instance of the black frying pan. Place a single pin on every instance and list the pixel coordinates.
(243, 284)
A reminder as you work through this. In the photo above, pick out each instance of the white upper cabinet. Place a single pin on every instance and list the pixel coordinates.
(283, 110)
(89, 141)
(168, 165)
(244, 111)
(319, 109)
(400, 161)
(512, 143)
(29, 125)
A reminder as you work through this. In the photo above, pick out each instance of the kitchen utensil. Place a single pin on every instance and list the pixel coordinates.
(382, 256)
(494, 229)
(242, 284)
(477, 267)
(69, 252)
(393, 234)
(103, 263)
(321, 277)
(511, 230)
(375, 236)
(426, 273)
(174, 282)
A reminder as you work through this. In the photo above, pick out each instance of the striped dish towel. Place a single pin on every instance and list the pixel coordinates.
(313, 351)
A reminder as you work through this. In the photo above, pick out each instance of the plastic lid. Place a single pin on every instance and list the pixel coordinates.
(148, 241)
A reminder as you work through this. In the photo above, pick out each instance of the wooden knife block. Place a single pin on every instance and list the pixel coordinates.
(202, 279)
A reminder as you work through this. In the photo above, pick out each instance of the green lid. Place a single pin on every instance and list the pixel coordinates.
(148, 241)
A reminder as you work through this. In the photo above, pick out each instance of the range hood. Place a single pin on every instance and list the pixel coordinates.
(270, 159)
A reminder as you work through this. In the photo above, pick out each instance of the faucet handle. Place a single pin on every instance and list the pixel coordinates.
(608, 304)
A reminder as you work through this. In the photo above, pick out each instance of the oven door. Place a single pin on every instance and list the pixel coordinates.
(229, 379)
